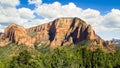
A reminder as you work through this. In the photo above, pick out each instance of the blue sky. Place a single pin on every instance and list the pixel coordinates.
(103, 15)
(103, 6)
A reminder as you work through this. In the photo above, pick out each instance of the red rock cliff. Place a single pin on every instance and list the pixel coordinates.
(60, 32)
(64, 31)
(17, 34)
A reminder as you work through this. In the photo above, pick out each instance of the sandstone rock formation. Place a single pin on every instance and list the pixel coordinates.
(17, 34)
(60, 32)
(65, 31)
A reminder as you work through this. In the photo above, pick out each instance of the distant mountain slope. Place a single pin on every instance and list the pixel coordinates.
(117, 42)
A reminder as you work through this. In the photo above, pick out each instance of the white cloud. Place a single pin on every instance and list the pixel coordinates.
(36, 2)
(10, 14)
(110, 22)
(22, 16)
(112, 19)
(6, 15)
(8, 11)
(70, 10)
(57, 10)
(10, 3)
(26, 13)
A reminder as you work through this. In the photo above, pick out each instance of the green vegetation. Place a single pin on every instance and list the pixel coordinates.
(62, 57)
(32, 34)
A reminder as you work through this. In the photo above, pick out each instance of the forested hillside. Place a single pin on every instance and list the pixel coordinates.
(80, 56)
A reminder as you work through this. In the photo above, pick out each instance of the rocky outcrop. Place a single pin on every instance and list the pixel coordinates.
(17, 34)
(60, 32)
(3, 41)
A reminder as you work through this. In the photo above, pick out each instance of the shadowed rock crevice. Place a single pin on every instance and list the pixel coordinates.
(52, 31)
(74, 35)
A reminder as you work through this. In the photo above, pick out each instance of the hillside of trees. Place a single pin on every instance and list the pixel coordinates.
(18, 56)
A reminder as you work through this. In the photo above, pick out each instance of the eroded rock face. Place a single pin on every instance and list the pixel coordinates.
(65, 31)
(60, 32)
(17, 34)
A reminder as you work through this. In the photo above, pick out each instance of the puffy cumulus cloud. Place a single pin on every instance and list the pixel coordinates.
(92, 16)
(8, 11)
(9, 3)
(112, 19)
(36, 2)
(110, 22)
(10, 14)
(26, 13)
(7, 15)
(57, 10)
(70, 10)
